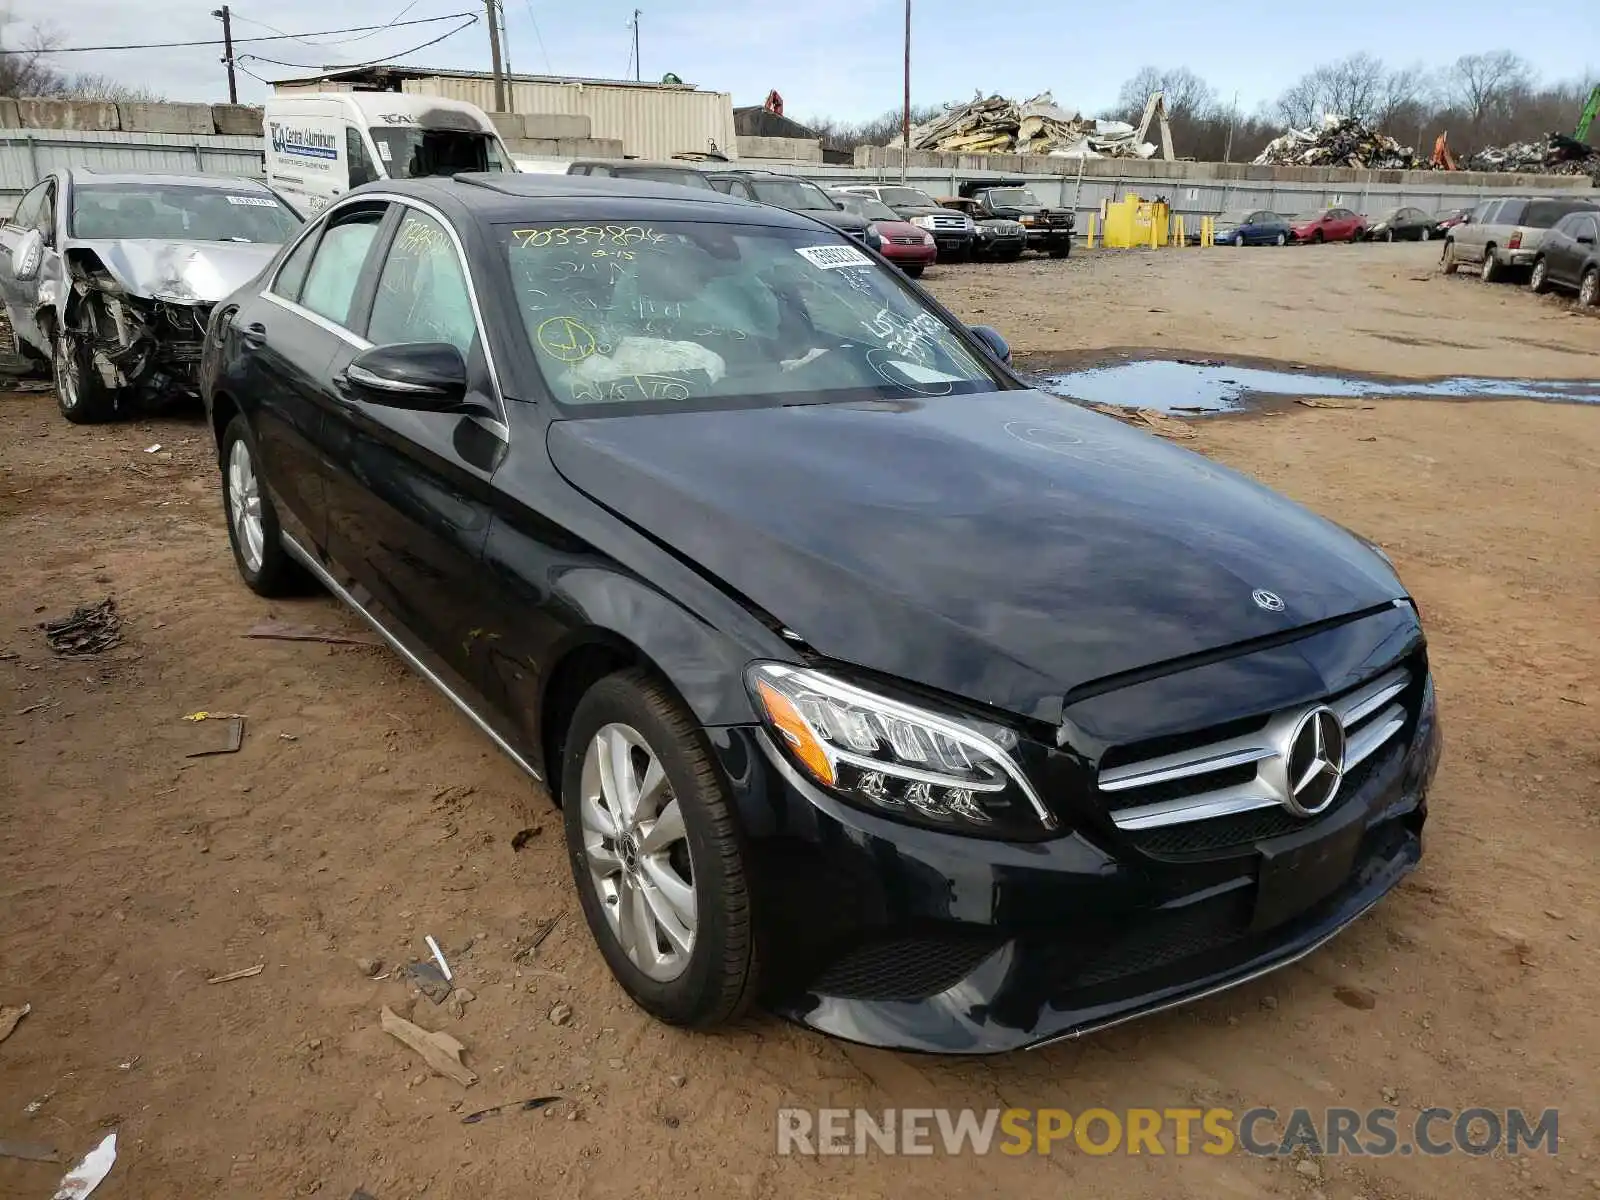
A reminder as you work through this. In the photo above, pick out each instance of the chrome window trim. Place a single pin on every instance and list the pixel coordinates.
(354, 339)
(307, 560)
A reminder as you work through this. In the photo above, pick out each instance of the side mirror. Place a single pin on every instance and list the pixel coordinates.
(839, 204)
(427, 376)
(27, 256)
(998, 346)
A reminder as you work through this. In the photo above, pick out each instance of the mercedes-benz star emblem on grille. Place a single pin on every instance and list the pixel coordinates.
(1270, 601)
(1316, 762)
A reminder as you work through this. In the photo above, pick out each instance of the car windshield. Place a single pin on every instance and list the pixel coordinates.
(866, 206)
(410, 152)
(176, 212)
(794, 194)
(1013, 196)
(681, 176)
(674, 314)
(907, 197)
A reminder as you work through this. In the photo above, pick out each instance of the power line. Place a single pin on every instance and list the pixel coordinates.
(471, 19)
(291, 37)
(548, 69)
(360, 37)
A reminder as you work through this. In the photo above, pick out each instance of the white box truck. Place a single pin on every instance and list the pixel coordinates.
(319, 146)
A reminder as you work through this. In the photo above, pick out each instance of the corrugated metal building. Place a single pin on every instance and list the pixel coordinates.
(652, 120)
(28, 155)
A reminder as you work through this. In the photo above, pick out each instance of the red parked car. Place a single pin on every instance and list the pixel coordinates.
(1330, 225)
(907, 246)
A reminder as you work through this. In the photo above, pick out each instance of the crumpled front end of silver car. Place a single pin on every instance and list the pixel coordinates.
(143, 305)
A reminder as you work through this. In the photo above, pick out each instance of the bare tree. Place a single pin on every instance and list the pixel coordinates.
(104, 87)
(27, 71)
(1185, 93)
(1481, 86)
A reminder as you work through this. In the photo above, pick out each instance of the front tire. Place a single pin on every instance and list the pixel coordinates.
(1388, 235)
(1589, 289)
(82, 396)
(253, 528)
(1539, 281)
(914, 270)
(656, 854)
(1281, 239)
(1317, 239)
(1425, 235)
(1061, 251)
(1447, 260)
(1238, 241)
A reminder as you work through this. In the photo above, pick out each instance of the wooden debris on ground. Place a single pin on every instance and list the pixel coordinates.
(439, 1050)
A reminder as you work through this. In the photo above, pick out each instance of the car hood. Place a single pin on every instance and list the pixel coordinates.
(924, 210)
(183, 272)
(899, 229)
(1004, 547)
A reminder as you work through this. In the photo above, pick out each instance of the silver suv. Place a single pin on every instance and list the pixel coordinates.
(1506, 232)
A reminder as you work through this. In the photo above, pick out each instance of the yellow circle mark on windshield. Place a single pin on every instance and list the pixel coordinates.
(565, 339)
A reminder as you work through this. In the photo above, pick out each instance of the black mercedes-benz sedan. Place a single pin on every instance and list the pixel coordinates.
(928, 709)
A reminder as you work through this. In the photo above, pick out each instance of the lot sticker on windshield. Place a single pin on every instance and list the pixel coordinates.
(828, 258)
(384, 152)
(253, 201)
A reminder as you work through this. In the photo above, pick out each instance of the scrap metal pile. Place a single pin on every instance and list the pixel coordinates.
(1341, 142)
(1558, 154)
(995, 125)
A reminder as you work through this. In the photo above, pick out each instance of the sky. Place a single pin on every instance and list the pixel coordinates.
(839, 58)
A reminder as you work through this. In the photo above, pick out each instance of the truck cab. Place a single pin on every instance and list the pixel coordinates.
(1049, 230)
(321, 145)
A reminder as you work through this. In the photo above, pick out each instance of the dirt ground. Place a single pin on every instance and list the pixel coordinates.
(362, 812)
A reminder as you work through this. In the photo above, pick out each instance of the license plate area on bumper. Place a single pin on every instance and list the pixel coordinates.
(1299, 869)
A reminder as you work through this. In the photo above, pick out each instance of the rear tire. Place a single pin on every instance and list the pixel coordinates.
(685, 910)
(82, 396)
(1491, 272)
(1539, 280)
(253, 528)
(1589, 289)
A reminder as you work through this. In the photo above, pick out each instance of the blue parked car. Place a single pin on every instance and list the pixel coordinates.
(1258, 228)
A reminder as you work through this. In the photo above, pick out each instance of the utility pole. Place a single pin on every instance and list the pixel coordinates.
(905, 112)
(636, 68)
(505, 38)
(494, 57)
(227, 50)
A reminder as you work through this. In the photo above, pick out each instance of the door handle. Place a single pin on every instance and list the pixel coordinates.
(254, 335)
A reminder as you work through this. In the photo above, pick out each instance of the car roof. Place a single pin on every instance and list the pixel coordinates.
(494, 196)
(176, 178)
(625, 163)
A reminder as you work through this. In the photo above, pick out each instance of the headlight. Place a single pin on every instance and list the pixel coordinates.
(899, 760)
(924, 222)
(1027, 220)
(927, 239)
(874, 232)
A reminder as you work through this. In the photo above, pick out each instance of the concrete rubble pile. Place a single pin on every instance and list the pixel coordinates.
(1340, 142)
(995, 125)
(1557, 154)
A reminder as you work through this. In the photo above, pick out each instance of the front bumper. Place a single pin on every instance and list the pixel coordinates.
(1048, 235)
(915, 939)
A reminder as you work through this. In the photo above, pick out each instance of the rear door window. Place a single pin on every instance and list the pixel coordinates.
(1510, 212)
(1542, 214)
(336, 267)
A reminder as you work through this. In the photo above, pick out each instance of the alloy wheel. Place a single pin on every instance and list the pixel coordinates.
(66, 364)
(1536, 281)
(1281, 239)
(1426, 234)
(1589, 290)
(638, 852)
(244, 505)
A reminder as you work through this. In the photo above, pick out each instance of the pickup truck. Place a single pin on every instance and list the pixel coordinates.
(1049, 230)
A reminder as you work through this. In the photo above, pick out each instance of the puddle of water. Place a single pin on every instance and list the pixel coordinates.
(1189, 388)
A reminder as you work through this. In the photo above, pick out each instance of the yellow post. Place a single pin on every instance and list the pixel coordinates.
(1180, 236)
(1155, 232)
(1090, 243)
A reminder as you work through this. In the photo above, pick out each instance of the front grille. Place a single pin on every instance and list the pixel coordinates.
(1200, 839)
(907, 968)
(1244, 766)
(906, 241)
(950, 224)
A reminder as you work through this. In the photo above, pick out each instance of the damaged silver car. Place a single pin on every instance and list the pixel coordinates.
(111, 279)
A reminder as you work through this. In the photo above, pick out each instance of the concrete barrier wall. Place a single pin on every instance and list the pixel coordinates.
(228, 120)
(780, 149)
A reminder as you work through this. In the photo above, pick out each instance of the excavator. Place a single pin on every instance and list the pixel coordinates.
(1590, 110)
